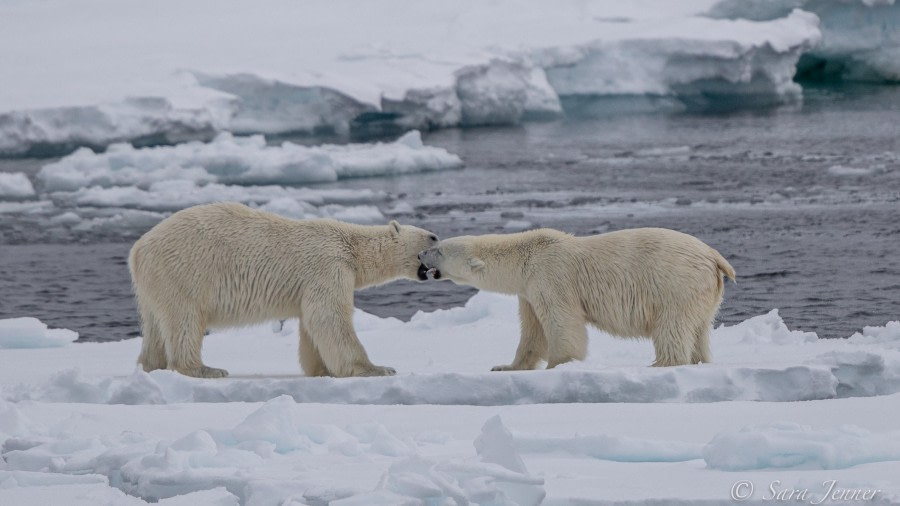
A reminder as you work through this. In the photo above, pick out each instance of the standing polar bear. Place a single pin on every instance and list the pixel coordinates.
(647, 282)
(221, 265)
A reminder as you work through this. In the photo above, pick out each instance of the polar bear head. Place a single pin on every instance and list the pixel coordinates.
(452, 259)
(410, 240)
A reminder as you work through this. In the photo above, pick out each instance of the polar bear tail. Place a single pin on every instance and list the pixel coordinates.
(724, 268)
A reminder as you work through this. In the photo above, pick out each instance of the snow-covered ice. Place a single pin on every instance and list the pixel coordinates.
(860, 38)
(340, 67)
(82, 420)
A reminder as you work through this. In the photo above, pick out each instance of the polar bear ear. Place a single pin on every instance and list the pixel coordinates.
(395, 227)
(476, 264)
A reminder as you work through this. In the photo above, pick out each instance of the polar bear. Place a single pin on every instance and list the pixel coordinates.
(646, 282)
(225, 264)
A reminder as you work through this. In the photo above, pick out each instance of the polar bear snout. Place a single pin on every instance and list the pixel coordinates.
(428, 264)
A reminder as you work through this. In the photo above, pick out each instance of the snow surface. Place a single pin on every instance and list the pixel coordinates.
(83, 421)
(340, 67)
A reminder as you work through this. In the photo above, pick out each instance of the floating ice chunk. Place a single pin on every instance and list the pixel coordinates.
(888, 334)
(786, 445)
(517, 225)
(242, 160)
(842, 170)
(30, 332)
(15, 185)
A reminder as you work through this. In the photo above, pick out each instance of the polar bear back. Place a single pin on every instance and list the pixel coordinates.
(237, 264)
(631, 280)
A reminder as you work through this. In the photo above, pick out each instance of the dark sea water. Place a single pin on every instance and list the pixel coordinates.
(804, 202)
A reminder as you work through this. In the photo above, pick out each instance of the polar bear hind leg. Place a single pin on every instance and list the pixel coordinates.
(673, 341)
(701, 352)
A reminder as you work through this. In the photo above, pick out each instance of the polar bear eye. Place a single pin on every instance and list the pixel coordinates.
(433, 238)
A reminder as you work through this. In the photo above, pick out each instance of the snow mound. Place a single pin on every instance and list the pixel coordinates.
(764, 329)
(298, 68)
(15, 186)
(787, 445)
(241, 160)
(860, 38)
(29, 332)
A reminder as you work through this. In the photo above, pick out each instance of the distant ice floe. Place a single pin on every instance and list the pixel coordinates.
(27, 332)
(132, 188)
(305, 68)
(241, 160)
(860, 38)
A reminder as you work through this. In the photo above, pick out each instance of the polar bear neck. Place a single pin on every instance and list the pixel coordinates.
(378, 257)
(506, 257)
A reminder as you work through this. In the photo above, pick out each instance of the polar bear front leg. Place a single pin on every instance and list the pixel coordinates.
(183, 340)
(328, 317)
(310, 359)
(564, 328)
(532, 343)
(153, 350)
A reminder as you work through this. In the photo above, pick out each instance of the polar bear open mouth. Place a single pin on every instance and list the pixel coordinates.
(424, 273)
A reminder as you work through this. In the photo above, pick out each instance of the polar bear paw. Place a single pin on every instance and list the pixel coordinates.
(204, 372)
(508, 367)
(376, 370)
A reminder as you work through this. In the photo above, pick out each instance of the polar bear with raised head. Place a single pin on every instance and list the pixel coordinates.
(225, 264)
(646, 282)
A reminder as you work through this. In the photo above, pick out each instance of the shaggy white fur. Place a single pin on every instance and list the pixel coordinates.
(225, 264)
(647, 282)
